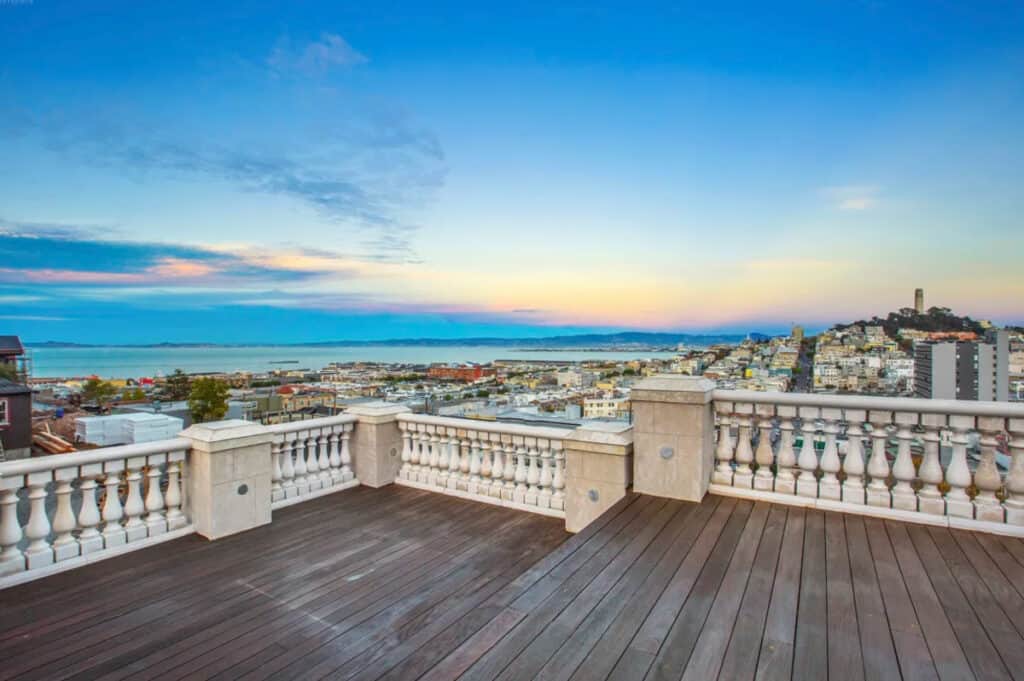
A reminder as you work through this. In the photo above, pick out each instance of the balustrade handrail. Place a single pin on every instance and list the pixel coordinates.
(542, 432)
(896, 404)
(308, 424)
(41, 464)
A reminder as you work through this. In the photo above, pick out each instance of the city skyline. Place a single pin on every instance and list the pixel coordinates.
(193, 173)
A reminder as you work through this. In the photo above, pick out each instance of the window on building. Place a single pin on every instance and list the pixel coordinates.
(3, 413)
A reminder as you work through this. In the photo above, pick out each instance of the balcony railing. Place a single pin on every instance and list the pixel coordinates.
(68, 510)
(311, 458)
(956, 463)
(517, 466)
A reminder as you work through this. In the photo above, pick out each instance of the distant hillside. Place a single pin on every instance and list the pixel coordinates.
(935, 319)
(591, 340)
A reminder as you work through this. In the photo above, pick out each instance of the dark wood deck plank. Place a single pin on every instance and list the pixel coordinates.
(740, 661)
(633, 560)
(978, 594)
(877, 648)
(775, 658)
(845, 662)
(946, 652)
(908, 638)
(673, 573)
(977, 646)
(810, 656)
(534, 590)
(538, 616)
(709, 651)
(676, 645)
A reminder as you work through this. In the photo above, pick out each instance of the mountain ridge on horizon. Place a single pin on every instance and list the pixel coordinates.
(561, 341)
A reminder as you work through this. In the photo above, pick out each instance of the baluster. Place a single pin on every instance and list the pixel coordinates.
(134, 506)
(301, 470)
(878, 464)
(288, 481)
(334, 454)
(533, 475)
(323, 460)
(64, 544)
(785, 479)
(11, 558)
(312, 463)
(425, 454)
(435, 457)
(558, 479)
(454, 461)
(903, 496)
(828, 486)
(930, 497)
(89, 540)
(958, 474)
(853, 462)
(986, 476)
(345, 455)
(744, 475)
(486, 465)
(519, 494)
(442, 458)
(546, 476)
(1015, 476)
(498, 470)
(38, 553)
(509, 474)
(414, 453)
(113, 532)
(404, 471)
(156, 522)
(276, 489)
(807, 483)
(724, 449)
(764, 479)
(465, 463)
(474, 462)
(172, 498)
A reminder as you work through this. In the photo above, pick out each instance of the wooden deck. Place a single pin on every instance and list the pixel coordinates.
(403, 584)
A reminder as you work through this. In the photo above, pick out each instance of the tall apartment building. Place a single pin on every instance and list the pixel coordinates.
(963, 370)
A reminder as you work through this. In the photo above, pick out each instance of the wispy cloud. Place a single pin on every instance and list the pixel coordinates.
(313, 59)
(62, 254)
(852, 197)
(362, 165)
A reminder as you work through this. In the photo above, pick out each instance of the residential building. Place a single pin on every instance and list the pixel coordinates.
(15, 420)
(963, 370)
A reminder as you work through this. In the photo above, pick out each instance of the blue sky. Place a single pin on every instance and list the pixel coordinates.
(306, 171)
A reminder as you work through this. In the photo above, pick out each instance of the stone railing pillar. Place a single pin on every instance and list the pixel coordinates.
(673, 425)
(377, 442)
(598, 471)
(229, 477)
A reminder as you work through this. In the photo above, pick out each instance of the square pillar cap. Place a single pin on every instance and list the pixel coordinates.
(675, 388)
(602, 437)
(377, 412)
(231, 434)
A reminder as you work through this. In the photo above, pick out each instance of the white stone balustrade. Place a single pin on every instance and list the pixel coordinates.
(517, 466)
(80, 507)
(954, 463)
(311, 458)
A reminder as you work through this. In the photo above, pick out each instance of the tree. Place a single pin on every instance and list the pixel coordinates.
(9, 372)
(133, 395)
(98, 391)
(208, 400)
(178, 385)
